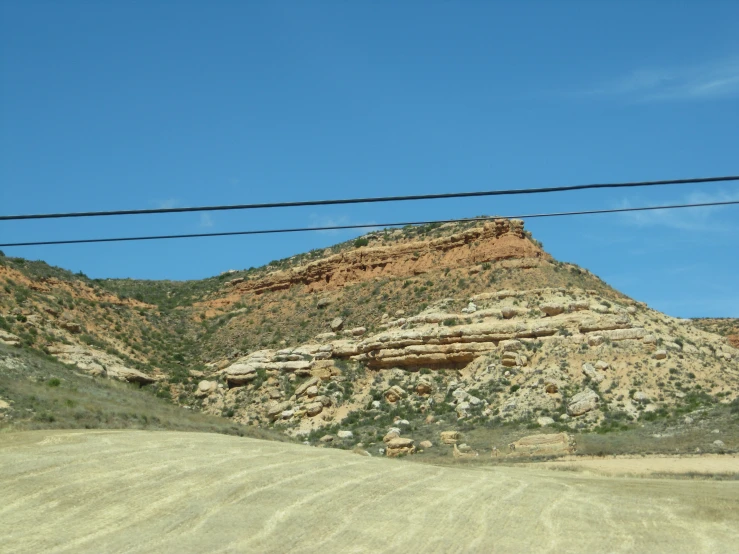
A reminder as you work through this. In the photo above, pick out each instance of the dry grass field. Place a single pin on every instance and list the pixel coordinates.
(146, 491)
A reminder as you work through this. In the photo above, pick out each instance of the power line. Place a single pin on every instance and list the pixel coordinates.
(366, 225)
(371, 200)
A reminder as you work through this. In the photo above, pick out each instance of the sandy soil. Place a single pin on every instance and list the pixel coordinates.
(705, 465)
(140, 491)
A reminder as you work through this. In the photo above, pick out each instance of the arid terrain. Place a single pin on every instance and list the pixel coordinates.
(139, 491)
(525, 405)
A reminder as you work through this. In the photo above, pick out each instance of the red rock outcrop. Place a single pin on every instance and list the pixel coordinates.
(498, 240)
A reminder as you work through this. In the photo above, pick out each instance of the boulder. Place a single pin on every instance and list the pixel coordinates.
(324, 400)
(552, 308)
(511, 345)
(640, 397)
(579, 305)
(592, 374)
(345, 434)
(450, 437)
(337, 323)
(392, 434)
(240, 374)
(509, 312)
(313, 409)
(399, 446)
(394, 393)
(425, 444)
(70, 326)
(326, 438)
(544, 421)
(206, 387)
(583, 402)
(458, 452)
(424, 388)
(303, 388)
(274, 411)
(660, 354)
(462, 410)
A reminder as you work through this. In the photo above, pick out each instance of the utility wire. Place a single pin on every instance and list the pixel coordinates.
(366, 225)
(371, 200)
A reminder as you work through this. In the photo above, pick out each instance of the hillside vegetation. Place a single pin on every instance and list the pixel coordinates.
(401, 334)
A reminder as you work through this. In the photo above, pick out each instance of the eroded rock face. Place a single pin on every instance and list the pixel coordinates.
(98, 363)
(498, 240)
(9, 338)
(499, 341)
(129, 374)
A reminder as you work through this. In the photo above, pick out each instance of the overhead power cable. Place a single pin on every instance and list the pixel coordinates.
(371, 200)
(365, 225)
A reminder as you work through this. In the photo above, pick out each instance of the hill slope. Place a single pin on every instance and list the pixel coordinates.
(460, 326)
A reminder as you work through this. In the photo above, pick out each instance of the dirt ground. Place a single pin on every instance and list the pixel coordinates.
(703, 466)
(142, 491)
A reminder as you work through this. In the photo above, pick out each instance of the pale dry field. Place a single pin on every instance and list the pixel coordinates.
(142, 491)
(706, 465)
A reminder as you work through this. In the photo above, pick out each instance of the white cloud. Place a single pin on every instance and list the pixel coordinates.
(700, 82)
(168, 203)
(334, 221)
(688, 219)
(206, 220)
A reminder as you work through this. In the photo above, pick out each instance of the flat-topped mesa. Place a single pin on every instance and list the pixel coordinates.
(499, 239)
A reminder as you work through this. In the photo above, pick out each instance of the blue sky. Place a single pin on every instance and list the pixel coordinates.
(147, 104)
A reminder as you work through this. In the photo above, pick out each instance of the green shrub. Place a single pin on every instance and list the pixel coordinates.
(361, 242)
(53, 382)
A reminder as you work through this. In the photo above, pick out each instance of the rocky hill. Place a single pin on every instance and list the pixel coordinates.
(458, 325)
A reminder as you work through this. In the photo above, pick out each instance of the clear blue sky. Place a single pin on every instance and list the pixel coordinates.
(111, 105)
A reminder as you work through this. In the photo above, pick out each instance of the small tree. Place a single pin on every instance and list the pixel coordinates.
(361, 242)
